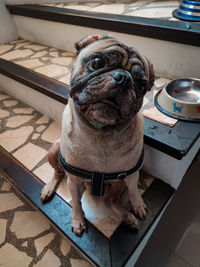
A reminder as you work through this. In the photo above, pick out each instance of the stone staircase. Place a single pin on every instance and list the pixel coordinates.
(35, 69)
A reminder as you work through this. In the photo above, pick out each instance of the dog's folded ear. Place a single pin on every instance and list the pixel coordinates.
(89, 39)
(149, 71)
(147, 75)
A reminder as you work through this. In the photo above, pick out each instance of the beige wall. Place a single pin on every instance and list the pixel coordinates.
(8, 31)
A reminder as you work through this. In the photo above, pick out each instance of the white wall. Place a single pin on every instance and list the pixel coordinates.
(8, 30)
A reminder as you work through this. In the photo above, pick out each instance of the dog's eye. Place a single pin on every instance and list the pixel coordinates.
(97, 63)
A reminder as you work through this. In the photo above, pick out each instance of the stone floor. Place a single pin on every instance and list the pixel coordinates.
(51, 62)
(22, 130)
(140, 8)
(27, 239)
(57, 64)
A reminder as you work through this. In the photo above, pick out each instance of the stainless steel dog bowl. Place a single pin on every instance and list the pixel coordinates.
(188, 10)
(180, 99)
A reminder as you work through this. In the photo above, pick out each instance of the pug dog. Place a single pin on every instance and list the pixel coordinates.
(101, 145)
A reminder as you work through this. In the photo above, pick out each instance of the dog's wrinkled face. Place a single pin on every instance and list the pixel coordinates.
(109, 81)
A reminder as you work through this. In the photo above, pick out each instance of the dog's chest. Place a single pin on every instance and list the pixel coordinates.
(93, 152)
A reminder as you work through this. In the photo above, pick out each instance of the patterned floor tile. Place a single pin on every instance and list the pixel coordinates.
(40, 128)
(5, 186)
(51, 71)
(78, 263)
(35, 136)
(52, 62)
(42, 120)
(9, 201)
(31, 63)
(17, 121)
(30, 155)
(16, 55)
(5, 48)
(27, 239)
(12, 139)
(3, 224)
(65, 247)
(100, 215)
(44, 172)
(63, 191)
(23, 110)
(2, 96)
(43, 241)
(49, 258)
(10, 103)
(32, 227)
(52, 133)
(4, 113)
(11, 257)
(35, 47)
(165, 12)
(148, 8)
(115, 8)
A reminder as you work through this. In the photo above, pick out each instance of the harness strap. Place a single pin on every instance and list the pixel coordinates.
(98, 178)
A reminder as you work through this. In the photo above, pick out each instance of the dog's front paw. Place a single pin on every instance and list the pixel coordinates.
(140, 209)
(78, 225)
(131, 221)
(48, 191)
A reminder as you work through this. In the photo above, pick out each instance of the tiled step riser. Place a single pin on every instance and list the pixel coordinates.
(170, 59)
(42, 103)
(54, 110)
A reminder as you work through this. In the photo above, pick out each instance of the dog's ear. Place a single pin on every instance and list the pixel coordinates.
(89, 39)
(85, 41)
(149, 73)
(149, 76)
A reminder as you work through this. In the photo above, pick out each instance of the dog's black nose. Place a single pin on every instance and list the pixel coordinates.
(118, 76)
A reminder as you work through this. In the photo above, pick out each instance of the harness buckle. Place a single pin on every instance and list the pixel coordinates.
(121, 176)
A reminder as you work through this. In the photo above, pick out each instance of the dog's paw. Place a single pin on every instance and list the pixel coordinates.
(47, 191)
(78, 226)
(140, 209)
(131, 221)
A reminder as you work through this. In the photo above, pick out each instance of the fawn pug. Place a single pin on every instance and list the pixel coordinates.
(101, 145)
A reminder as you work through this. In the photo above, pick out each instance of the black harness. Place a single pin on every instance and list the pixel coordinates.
(98, 178)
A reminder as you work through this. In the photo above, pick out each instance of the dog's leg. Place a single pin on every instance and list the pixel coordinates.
(76, 187)
(112, 199)
(135, 198)
(59, 173)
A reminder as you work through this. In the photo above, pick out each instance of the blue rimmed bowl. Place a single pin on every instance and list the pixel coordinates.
(180, 99)
(188, 10)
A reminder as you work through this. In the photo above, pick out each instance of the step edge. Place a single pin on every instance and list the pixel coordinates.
(174, 31)
(55, 89)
